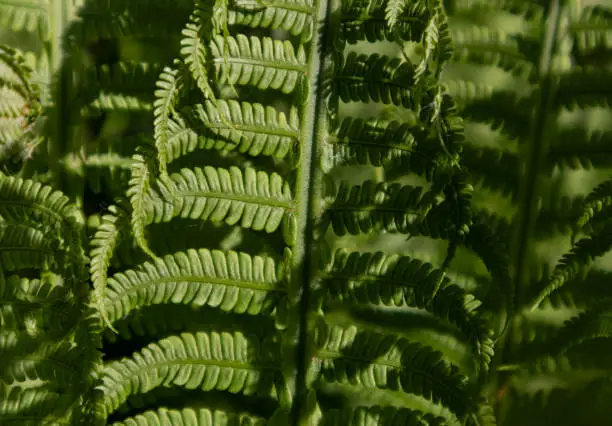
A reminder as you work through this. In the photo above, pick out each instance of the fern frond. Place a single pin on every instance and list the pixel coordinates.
(493, 168)
(400, 281)
(371, 360)
(369, 21)
(381, 416)
(594, 323)
(194, 54)
(363, 78)
(103, 244)
(592, 35)
(192, 417)
(580, 148)
(490, 46)
(116, 102)
(252, 128)
(22, 199)
(438, 46)
(49, 363)
(491, 248)
(34, 406)
(393, 11)
(208, 361)
(168, 86)
(232, 281)
(374, 142)
(32, 310)
(293, 16)
(15, 74)
(501, 109)
(262, 62)
(31, 16)
(125, 85)
(375, 206)
(596, 204)
(137, 192)
(577, 261)
(584, 87)
(252, 198)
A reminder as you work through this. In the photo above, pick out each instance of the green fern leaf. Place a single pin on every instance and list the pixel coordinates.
(381, 416)
(596, 204)
(253, 129)
(103, 246)
(577, 261)
(293, 16)
(375, 361)
(192, 417)
(375, 206)
(360, 279)
(233, 282)
(168, 85)
(137, 192)
(251, 198)
(262, 62)
(393, 11)
(206, 361)
(30, 16)
(438, 47)
(363, 78)
(370, 21)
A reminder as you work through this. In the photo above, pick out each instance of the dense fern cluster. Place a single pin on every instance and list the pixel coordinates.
(304, 212)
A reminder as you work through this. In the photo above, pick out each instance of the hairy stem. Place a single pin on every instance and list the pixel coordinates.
(312, 135)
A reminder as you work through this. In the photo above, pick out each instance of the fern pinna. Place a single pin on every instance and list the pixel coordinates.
(281, 223)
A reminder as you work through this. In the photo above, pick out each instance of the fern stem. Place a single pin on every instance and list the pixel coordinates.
(54, 49)
(537, 150)
(69, 173)
(309, 181)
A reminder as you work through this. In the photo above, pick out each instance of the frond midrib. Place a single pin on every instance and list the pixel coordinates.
(246, 199)
(227, 282)
(268, 64)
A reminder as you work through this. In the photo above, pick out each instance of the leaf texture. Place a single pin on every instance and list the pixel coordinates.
(253, 199)
(206, 361)
(232, 282)
(262, 62)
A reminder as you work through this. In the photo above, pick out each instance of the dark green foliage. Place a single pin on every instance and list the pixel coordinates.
(313, 212)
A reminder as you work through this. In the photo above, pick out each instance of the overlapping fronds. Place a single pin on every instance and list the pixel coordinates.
(49, 336)
(244, 136)
(528, 86)
(394, 281)
(213, 262)
(349, 357)
(19, 110)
